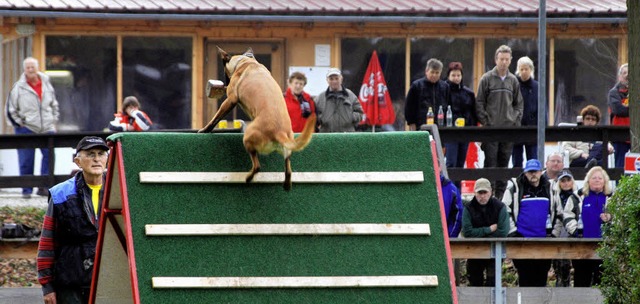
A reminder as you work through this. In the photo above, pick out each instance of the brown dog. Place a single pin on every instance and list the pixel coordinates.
(260, 97)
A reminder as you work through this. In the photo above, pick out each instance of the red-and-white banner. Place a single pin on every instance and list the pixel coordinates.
(374, 96)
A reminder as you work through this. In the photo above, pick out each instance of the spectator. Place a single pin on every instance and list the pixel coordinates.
(529, 91)
(338, 109)
(70, 227)
(554, 166)
(593, 214)
(131, 118)
(463, 103)
(528, 202)
(452, 206)
(300, 105)
(424, 93)
(452, 200)
(563, 202)
(619, 104)
(484, 216)
(32, 108)
(586, 154)
(499, 104)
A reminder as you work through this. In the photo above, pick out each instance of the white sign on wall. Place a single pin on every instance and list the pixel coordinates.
(323, 55)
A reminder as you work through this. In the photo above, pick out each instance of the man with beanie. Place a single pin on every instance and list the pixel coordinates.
(70, 228)
(484, 216)
(528, 202)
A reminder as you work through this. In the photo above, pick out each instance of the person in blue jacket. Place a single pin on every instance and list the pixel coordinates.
(593, 215)
(528, 201)
(452, 206)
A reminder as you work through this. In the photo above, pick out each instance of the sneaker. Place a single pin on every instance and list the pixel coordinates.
(591, 163)
(43, 192)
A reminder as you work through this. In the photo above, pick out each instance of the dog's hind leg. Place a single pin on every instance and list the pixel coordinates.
(256, 165)
(287, 173)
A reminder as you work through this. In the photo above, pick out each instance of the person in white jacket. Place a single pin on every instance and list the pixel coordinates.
(32, 108)
(587, 154)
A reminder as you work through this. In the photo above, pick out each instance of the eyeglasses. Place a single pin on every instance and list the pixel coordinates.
(94, 155)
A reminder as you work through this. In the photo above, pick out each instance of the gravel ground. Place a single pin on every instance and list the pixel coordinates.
(15, 209)
(18, 273)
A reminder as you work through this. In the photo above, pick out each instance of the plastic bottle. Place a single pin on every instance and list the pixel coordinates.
(430, 116)
(580, 224)
(549, 221)
(440, 117)
(449, 117)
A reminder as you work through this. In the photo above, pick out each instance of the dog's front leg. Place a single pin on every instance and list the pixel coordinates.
(256, 165)
(226, 107)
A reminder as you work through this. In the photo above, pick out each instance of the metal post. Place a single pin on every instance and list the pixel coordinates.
(542, 78)
(497, 253)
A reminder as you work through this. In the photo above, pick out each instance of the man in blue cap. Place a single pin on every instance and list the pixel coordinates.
(527, 199)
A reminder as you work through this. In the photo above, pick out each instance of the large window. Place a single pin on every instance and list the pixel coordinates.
(519, 48)
(157, 70)
(83, 72)
(356, 54)
(445, 50)
(585, 70)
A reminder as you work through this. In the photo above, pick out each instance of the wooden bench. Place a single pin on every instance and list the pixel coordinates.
(521, 248)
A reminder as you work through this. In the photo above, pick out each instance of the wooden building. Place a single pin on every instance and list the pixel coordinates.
(99, 51)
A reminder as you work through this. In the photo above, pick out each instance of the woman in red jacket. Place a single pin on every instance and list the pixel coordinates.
(619, 106)
(300, 105)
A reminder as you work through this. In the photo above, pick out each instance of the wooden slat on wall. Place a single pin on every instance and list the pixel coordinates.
(197, 88)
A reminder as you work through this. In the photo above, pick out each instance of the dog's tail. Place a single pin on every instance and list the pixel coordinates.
(305, 137)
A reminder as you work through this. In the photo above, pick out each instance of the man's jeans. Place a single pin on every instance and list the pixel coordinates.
(26, 158)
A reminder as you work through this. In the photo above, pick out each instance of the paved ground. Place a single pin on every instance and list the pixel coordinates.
(466, 295)
(15, 199)
(20, 295)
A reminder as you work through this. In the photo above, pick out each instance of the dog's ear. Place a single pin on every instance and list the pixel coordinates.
(223, 55)
(249, 53)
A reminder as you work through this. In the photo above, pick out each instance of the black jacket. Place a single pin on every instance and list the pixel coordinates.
(70, 231)
(422, 95)
(463, 103)
(529, 91)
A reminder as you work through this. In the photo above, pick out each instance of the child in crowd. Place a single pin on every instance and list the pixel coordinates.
(565, 204)
(131, 118)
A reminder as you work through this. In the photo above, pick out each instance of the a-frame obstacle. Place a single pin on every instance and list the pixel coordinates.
(362, 223)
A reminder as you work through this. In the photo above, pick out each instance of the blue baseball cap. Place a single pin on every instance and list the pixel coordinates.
(533, 165)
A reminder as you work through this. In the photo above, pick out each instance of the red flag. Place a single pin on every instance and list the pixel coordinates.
(374, 96)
